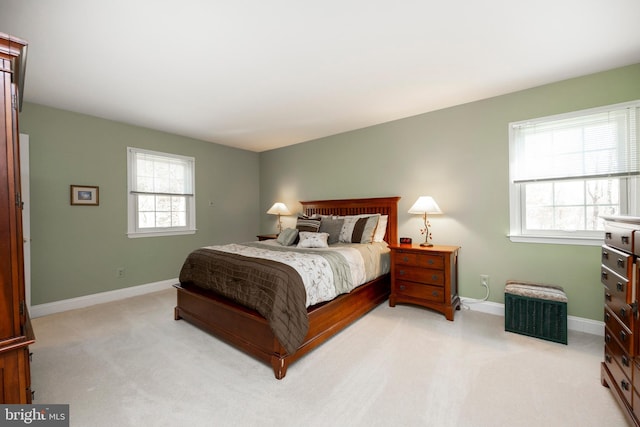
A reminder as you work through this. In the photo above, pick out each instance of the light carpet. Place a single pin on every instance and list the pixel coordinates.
(128, 363)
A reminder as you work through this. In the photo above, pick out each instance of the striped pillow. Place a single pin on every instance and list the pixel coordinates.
(359, 228)
(309, 224)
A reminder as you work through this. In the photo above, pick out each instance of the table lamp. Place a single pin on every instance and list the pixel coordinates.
(279, 208)
(423, 206)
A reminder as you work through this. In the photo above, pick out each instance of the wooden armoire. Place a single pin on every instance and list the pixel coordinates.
(16, 333)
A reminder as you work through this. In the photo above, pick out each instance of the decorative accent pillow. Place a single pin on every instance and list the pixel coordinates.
(381, 229)
(313, 240)
(287, 236)
(359, 228)
(306, 223)
(333, 226)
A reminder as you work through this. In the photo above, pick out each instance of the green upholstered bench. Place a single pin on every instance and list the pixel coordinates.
(536, 310)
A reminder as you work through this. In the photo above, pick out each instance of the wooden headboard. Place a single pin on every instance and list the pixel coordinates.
(381, 205)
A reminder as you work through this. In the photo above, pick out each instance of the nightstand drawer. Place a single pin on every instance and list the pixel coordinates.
(422, 275)
(419, 260)
(416, 290)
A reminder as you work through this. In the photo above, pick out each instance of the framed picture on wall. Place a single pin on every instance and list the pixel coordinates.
(85, 195)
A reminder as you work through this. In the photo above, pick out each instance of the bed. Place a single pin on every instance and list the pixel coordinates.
(249, 331)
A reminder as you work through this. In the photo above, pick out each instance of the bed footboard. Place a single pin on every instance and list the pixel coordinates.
(248, 331)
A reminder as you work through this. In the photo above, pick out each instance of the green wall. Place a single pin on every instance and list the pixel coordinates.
(460, 156)
(77, 249)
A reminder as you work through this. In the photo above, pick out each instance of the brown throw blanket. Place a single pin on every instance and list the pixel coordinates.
(273, 289)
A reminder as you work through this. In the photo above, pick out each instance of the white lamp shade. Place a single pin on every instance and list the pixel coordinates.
(278, 209)
(425, 204)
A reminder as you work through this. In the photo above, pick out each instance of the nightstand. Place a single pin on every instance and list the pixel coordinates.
(425, 276)
(262, 237)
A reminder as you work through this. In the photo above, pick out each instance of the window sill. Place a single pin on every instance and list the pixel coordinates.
(557, 240)
(138, 234)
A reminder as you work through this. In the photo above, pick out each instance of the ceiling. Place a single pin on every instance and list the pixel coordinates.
(259, 75)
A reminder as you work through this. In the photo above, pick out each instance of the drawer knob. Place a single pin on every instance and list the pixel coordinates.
(624, 384)
(607, 235)
(605, 255)
(402, 272)
(625, 361)
(607, 358)
(623, 312)
(403, 287)
(620, 262)
(434, 277)
(620, 287)
(625, 240)
(405, 258)
(604, 275)
(430, 262)
(434, 293)
(607, 316)
(623, 336)
(607, 338)
(607, 295)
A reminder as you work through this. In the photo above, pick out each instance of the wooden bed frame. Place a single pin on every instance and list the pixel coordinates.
(247, 330)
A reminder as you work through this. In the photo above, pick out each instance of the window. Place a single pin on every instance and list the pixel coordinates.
(161, 193)
(568, 170)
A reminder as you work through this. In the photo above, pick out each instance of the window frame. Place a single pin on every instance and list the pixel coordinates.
(628, 190)
(133, 231)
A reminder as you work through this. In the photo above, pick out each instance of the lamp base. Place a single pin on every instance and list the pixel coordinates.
(426, 245)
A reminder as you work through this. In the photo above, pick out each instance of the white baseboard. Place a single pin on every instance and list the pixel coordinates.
(102, 297)
(579, 324)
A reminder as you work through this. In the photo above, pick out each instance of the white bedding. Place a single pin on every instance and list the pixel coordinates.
(326, 272)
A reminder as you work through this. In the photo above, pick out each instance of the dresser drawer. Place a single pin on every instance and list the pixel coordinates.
(617, 304)
(622, 381)
(617, 285)
(434, 261)
(613, 352)
(636, 374)
(617, 261)
(416, 290)
(422, 275)
(617, 295)
(619, 236)
(616, 330)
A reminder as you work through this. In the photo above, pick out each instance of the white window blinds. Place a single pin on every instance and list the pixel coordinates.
(592, 144)
(154, 173)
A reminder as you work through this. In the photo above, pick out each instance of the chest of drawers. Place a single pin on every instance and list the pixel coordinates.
(619, 273)
(426, 276)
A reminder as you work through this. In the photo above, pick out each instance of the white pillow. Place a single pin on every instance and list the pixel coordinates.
(381, 229)
(313, 240)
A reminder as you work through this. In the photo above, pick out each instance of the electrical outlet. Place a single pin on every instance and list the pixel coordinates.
(120, 272)
(484, 280)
